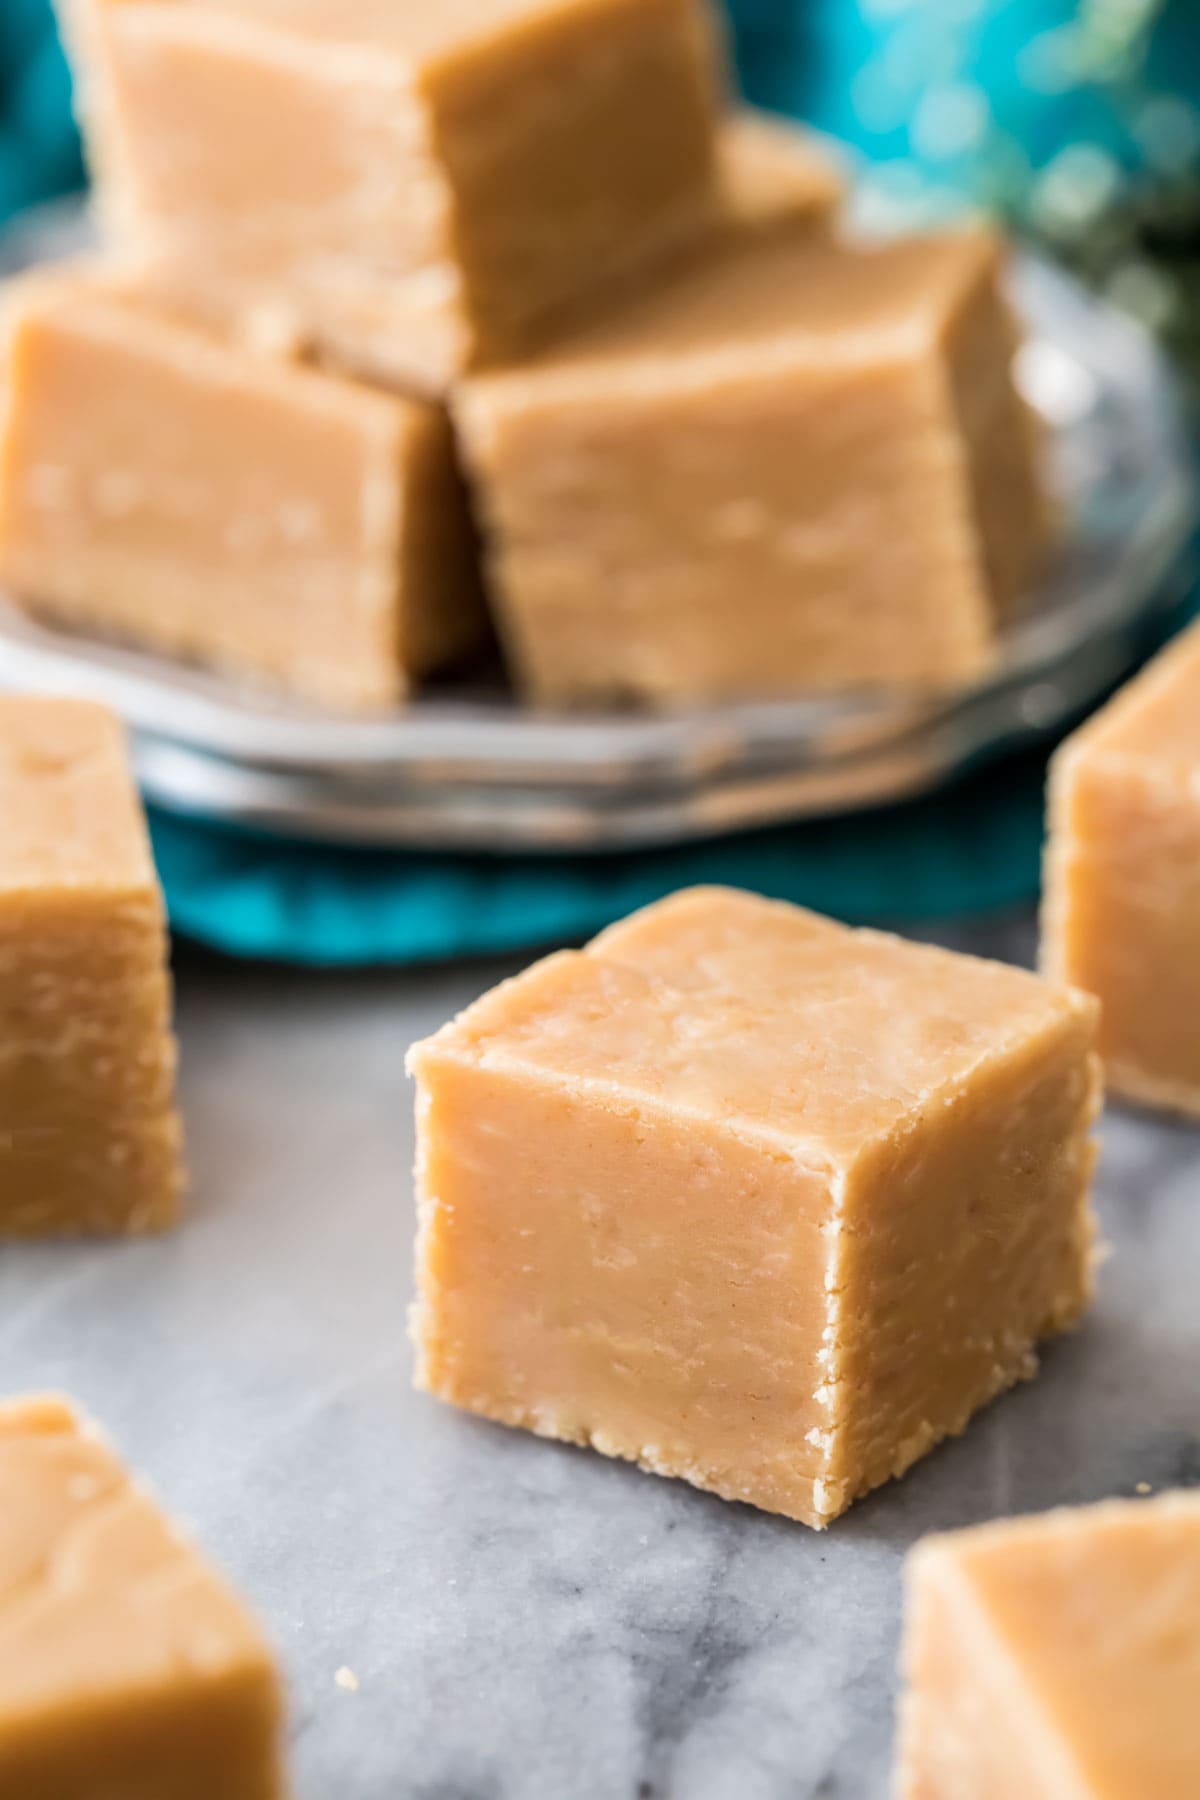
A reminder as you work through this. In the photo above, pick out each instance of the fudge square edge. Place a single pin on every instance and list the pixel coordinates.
(1121, 895)
(90, 1132)
(750, 1198)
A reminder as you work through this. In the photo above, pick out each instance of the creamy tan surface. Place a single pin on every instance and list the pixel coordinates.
(1007, 442)
(775, 174)
(773, 177)
(803, 301)
(674, 1189)
(798, 466)
(1122, 908)
(163, 485)
(72, 821)
(127, 1668)
(1057, 1658)
(436, 182)
(89, 1136)
(759, 1012)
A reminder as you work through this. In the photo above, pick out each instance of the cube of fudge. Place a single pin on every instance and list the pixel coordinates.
(436, 180)
(127, 1667)
(799, 466)
(169, 487)
(89, 1135)
(774, 174)
(752, 1199)
(1122, 908)
(1056, 1656)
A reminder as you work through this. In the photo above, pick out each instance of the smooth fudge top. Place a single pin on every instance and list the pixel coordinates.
(97, 1592)
(797, 301)
(795, 1030)
(70, 818)
(1099, 1608)
(1156, 719)
(109, 297)
(418, 30)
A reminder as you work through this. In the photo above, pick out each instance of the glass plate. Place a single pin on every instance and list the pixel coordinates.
(468, 767)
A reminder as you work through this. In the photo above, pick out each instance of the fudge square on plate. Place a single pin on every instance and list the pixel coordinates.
(1122, 909)
(1056, 1657)
(438, 176)
(127, 1667)
(163, 484)
(773, 178)
(89, 1135)
(798, 465)
(752, 1199)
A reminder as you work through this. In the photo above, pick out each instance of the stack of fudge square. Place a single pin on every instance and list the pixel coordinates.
(735, 1192)
(428, 323)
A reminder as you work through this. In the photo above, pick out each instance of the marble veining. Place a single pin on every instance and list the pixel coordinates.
(527, 1621)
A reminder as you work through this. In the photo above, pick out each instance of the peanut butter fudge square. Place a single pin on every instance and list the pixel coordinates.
(752, 1199)
(169, 485)
(89, 1135)
(425, 182)
(800, 466)
(1056, 1656)
(1122, 908)
(127, 1667)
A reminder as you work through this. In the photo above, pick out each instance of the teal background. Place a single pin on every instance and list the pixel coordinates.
(39, 150)
(858, 68)
(861, 70)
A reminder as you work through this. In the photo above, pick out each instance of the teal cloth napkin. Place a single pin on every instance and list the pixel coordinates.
(973, 847)
(39, 148)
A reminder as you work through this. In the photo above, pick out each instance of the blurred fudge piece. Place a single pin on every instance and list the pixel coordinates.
(1056, 1657)
(89, 1136)
(426, 184)
(775, 174)
(127, 1667)
(167, 486)
(751, 1199)
(1122, 908)
(774, 177)
(798, 466)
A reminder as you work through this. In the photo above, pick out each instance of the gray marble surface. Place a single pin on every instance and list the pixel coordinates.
(529, 1622)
